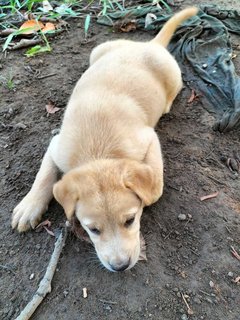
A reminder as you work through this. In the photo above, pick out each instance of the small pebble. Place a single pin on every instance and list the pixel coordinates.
(108, 307)
(65, 293)
(38, 246)
(10, 110)
(211, 284)
(230, 274)
(184, 317)
(182, 217)
(204, 66)
(32, 275)
(197, 300)
(85, 294)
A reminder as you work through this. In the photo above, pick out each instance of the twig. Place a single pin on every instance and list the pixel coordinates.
(217, 181)
(208, 294)
(194, 252)
(7, 268)
(45, 284)
(7, 32)
(168, 235)
(189, 310)
(209, 196)
(24, 43)
(46, 19)
(228, 229)
(235, 253)
(47, 76)
(107, 302)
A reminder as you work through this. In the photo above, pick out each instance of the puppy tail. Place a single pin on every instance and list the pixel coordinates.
(167, 31)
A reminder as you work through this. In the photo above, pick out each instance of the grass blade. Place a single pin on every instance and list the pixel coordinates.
(87, 24)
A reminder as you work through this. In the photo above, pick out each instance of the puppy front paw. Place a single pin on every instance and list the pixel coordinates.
(28, 213)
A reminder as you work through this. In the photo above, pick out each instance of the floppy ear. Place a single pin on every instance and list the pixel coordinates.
(66, 194)
(140, 179)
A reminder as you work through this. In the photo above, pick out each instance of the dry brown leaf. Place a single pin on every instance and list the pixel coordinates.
(33, 24)
(49, 231)
(143, 255)
(129, 26)
(209, 196)
(192, 97)
(45, 223)
(51, 109)
(49, 26)
(78, 230)
(62, 24)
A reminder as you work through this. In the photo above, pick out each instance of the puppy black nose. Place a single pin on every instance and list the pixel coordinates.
(120, 266)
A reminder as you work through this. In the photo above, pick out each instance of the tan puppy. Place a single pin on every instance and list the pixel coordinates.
(107, 146)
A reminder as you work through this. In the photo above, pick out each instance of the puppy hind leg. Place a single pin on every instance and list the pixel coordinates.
(173, 96)
(30, 210)
(104, 48)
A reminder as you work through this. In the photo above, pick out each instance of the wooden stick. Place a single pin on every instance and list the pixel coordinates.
(45, 284)
(24, 43)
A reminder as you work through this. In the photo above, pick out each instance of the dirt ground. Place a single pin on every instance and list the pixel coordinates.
(188, 257)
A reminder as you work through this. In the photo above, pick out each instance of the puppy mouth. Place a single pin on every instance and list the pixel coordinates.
(80, 233)
(112, 268)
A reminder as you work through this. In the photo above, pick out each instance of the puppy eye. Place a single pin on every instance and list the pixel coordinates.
(95, 231)
(129, 222)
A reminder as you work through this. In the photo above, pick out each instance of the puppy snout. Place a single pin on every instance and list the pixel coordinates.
(120, 266)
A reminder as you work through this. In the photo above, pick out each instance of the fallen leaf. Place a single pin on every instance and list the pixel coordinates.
(150, 17)
(45, 223)
(31, 26)
(193, 96)
(210, 196)
(51, 109)
(128, 26)
(78, 230)
(49, 26)
(237, 280)
(36, 50)
(142, 255)
(62, 24)
(49, 231)
(46, 6)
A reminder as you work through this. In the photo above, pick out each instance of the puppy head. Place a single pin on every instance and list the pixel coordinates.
(107, 197)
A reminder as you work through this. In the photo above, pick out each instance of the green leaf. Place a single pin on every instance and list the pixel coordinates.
(87, 24)
(16, 33)
(37, 49)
